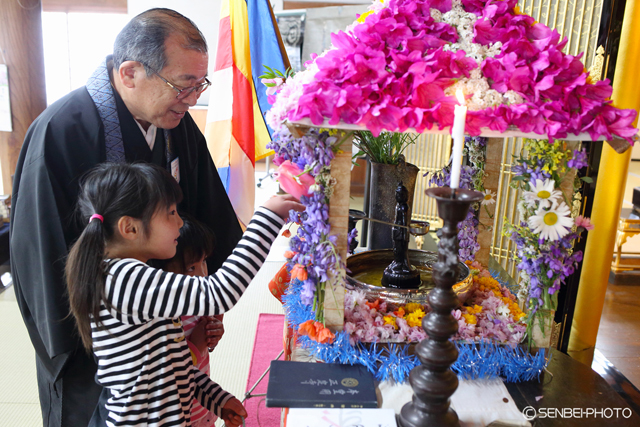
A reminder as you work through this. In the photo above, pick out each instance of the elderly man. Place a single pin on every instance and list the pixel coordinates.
(133, 108)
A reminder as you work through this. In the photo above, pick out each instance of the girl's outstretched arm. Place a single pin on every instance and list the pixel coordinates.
(140, 293)
(215, 399)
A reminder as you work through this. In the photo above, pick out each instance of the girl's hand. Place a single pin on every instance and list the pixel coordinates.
(281, 205)
(214, 330)
(233, 412)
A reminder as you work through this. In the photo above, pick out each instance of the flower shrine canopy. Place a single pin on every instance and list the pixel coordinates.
(397, 69)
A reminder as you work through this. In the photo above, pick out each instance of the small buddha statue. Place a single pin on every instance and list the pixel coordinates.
(400, 274)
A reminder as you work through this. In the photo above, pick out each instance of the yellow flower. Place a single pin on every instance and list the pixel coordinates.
(415, 318)
(362, 17)
(470, 318)
(474, 310)
(390, 320)
(488, 283)
(411, 307)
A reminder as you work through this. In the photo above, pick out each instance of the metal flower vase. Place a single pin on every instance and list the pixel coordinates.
(382, 186)
(433, 382)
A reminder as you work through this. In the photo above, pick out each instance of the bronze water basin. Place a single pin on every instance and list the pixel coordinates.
(366, 266)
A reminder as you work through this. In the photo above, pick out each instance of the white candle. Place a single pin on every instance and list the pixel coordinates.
(457, 133)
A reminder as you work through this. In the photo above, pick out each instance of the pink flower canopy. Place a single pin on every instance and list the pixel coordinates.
(394, 71)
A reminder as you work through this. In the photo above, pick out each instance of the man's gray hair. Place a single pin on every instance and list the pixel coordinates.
(143, 38)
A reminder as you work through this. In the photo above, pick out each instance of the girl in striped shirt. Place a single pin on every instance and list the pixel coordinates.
(128, 313)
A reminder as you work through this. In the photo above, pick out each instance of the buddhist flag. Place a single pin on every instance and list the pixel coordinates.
(236, 130)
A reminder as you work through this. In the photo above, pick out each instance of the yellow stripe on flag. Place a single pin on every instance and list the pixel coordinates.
(261, 132)
(219, 133)
(224, 9)
(240, 38)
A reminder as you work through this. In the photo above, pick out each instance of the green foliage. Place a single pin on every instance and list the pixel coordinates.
(275, 74)
(385, 148)
(544, 157)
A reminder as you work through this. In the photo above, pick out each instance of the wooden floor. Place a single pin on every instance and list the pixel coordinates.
(619, 333)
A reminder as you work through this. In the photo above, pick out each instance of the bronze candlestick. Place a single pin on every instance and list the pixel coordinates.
(433, 382)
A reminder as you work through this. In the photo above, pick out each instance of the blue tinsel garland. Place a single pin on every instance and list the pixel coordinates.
(481, 360)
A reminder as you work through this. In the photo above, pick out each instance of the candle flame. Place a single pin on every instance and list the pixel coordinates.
(460, 97)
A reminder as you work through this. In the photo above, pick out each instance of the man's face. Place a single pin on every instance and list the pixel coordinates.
(156, 101)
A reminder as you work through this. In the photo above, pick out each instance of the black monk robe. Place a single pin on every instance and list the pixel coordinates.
(63, 143)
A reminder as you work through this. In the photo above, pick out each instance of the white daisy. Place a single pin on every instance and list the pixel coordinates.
(503, 310)
(489, 198)
(542, 192)
(552, 223)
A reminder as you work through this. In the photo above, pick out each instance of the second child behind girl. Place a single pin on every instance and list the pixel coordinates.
(128, 313)
(195, 244)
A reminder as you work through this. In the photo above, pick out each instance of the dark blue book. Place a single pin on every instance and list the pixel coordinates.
(320, 385)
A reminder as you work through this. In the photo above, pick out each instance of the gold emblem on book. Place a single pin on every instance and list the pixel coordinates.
(349, 382)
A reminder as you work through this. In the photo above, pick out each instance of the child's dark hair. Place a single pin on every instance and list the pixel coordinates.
(110, 191)
(196, 241)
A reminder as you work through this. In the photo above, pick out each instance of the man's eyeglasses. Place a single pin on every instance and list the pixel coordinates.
(183, 93)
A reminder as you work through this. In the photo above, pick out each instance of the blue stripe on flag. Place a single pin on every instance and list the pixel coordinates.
(225, 177)
(265, 49)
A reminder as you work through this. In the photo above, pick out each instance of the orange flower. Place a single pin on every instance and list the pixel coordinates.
(325, 336)
(286, 233)
(316, 331)
(399, 312)
(308, 328)
(373, 305)
(289, 254)
(299, 272)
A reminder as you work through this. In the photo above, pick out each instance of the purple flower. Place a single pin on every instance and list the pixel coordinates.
(579, 160)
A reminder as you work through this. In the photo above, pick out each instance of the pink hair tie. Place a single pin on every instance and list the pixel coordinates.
(96, 216)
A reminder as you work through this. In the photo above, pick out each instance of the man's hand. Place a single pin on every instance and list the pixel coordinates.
(233, 412)
(199, 337)
(214, 331)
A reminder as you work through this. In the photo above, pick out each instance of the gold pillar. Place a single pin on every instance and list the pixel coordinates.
(608, 198)
(21, 44)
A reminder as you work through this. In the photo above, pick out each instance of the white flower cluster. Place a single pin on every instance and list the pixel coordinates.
(483, 96)
(523, 291)
(288, 97)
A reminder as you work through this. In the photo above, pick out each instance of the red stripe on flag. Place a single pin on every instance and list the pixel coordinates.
(242, 122)
(224, 57)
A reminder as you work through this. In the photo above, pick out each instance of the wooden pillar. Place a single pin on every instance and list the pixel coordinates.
(491, 181)
(22, 52)
(339, 221)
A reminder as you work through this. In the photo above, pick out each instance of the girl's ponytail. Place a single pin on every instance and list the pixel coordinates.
(108, 193)
(85, 278)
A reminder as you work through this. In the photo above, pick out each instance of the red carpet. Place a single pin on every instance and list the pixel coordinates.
(266, 347)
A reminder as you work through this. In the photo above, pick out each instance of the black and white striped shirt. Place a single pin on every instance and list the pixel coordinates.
(142, 354)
